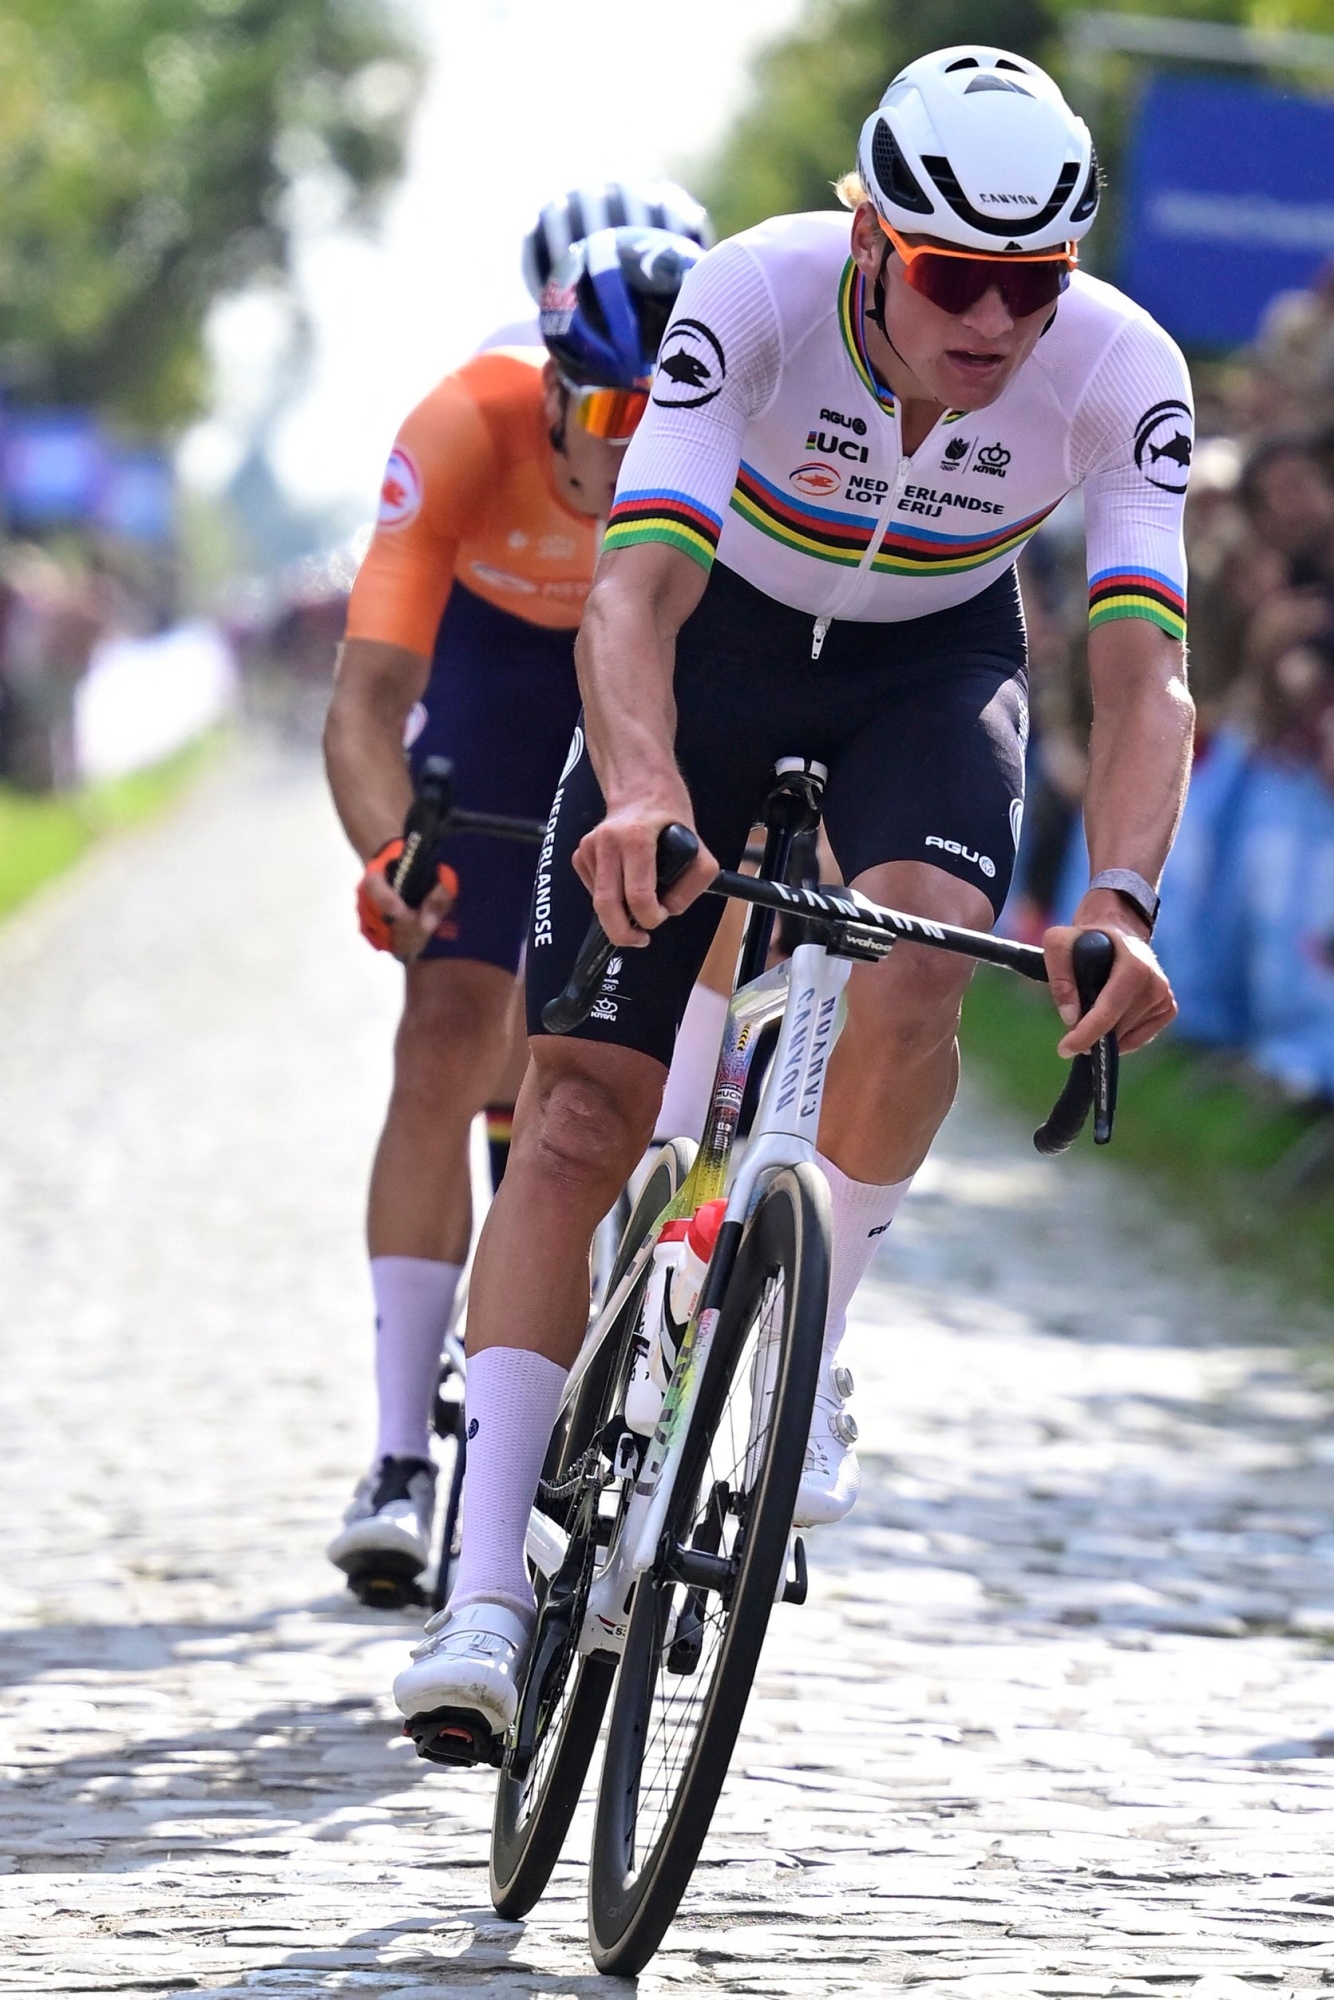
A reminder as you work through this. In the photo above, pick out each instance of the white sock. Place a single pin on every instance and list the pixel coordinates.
(685, 1096)
(862, 1212)
(413, 1296)
(511, 1404)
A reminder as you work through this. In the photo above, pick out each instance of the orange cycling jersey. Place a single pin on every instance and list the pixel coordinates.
(470, 493)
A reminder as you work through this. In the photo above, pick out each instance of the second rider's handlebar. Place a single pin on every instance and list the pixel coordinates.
(431, 816)
(862, 929)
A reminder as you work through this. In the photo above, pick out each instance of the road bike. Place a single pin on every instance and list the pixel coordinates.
(659, 1549)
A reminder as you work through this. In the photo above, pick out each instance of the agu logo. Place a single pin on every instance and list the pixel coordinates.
(400, 491)
(815, 478)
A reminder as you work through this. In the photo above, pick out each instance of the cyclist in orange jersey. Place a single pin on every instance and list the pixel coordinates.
(460, 641)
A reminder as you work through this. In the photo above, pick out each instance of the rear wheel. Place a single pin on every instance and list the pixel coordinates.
(564, 1694)
(700, 1613)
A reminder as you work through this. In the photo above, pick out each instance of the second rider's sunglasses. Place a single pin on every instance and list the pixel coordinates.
(609, 414)
(954, 280)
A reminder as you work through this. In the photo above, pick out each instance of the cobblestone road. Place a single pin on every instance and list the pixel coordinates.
(1051, 1724)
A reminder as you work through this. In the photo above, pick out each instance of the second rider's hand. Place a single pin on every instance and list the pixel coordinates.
(392, 925)
(617, 862)
(1137, 1000)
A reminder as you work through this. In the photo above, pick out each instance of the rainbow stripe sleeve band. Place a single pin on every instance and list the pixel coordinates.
(664, 517)
(1137, 593)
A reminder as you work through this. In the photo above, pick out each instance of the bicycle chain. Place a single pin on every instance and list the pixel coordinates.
(577, 1477)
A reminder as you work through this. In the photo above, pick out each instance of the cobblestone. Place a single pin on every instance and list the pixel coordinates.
(1057, 1717)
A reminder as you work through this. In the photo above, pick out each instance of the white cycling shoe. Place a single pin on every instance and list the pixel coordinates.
(461, 1692)
(831, 1477)
(384, 1543)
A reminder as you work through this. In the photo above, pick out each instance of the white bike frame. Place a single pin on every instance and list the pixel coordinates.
(807, 991)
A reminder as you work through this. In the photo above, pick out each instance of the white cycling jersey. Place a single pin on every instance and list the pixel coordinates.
(770, 441)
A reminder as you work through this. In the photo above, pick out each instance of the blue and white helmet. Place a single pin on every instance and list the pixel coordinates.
(605, 308)
(979, 149)
(609, 205)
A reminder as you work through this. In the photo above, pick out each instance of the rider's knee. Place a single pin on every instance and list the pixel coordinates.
(448, 1028)
(909, 1011)
(590, 1129)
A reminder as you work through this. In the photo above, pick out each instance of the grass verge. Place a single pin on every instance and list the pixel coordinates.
(1255, 1171)
(41, 836)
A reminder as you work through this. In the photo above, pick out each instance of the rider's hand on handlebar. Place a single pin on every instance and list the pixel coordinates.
(617, 864)
(386, 920)
(1137, 1000)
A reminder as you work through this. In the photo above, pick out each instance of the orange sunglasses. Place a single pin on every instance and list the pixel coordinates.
(954, 280)
(609, 414)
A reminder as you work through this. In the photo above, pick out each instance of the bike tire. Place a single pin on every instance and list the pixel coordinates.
(533, 1813)
(669, 1745)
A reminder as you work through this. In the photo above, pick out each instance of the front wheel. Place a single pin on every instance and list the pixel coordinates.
(564, 1694)
(700, 1613)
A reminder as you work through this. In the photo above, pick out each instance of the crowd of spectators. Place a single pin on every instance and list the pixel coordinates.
(1247, 930)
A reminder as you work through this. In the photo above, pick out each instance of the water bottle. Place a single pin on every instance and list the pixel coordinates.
(680, 1259)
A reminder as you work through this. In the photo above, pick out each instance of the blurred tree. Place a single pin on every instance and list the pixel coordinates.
(154, 153)
(815, 86)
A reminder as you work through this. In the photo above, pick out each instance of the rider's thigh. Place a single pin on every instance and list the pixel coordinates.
(586, 1111)
(454, 1028)
(912, 998)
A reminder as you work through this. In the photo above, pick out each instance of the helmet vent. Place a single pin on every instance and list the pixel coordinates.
(964, 62)
(945, 178)
(1087, 204)
(1003, 62)
(985, 82)
(894, 176)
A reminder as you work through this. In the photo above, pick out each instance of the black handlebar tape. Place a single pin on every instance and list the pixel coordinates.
(414, 874)
(1091, 1084)
(677, 848)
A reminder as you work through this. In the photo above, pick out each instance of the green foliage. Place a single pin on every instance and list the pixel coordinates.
(42, 836)
(1209, 1140)
(148, 150)
(813, 88)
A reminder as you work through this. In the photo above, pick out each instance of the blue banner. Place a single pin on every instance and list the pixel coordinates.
(1230, 199)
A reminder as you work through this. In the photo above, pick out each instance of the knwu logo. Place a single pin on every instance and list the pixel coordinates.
(992, 458)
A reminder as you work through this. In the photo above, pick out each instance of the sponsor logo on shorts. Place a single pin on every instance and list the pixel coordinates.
(572, 755)
(400, 491)
(1016, 820)
(813, 477)
(416, 722)
(604, 1009)
(982, 862)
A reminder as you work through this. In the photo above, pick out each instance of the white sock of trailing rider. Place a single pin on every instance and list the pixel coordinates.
(862, 1211)
(413, 1297)
(511, 1404)
(685, 1096)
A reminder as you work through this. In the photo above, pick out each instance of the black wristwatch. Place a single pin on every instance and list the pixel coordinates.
(1141, 895)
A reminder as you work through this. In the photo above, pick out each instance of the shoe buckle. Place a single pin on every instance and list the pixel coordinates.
(844, 1426)
(841, 1379)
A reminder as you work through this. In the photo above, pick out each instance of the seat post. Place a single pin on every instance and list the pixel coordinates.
(792, 808)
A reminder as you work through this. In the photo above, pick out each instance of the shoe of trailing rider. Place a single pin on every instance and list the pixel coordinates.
(460, 1693)
(830, 1476)
(384, 1543)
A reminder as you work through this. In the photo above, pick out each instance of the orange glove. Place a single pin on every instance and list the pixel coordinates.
(379, 908)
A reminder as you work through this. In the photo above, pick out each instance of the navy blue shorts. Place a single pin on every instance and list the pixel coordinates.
(922, 725)
(501, 703)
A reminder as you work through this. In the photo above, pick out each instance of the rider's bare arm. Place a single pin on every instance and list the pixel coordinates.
(626, 653)
(374, 690)
(1139, 763)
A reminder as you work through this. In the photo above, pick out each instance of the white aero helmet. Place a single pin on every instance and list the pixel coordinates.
(978, 148)
(610, 205)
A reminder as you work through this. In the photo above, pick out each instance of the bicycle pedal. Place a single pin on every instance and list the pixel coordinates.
(384, 1581)
(457, 1736)
(794, 1588)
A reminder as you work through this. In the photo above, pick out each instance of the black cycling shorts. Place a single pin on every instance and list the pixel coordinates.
(501, 702)
(921, 724)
